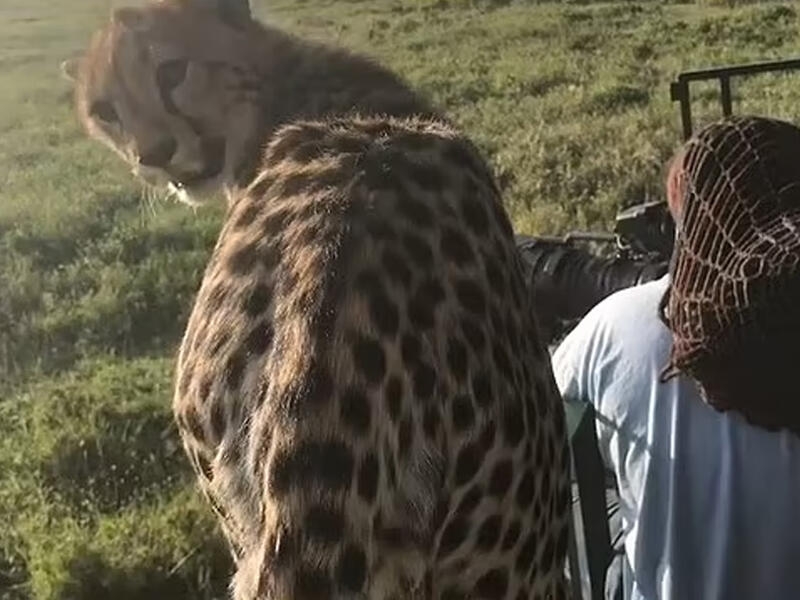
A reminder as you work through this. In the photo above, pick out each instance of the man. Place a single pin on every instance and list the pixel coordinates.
(708, 500)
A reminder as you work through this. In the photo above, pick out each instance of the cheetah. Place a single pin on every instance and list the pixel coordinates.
(361, 390)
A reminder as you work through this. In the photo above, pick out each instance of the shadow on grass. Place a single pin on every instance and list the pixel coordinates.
(13, 576)
(52, 249)
(135, 458)
(201, 577)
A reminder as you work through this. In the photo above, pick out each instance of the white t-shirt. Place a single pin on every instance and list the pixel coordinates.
(710, 504)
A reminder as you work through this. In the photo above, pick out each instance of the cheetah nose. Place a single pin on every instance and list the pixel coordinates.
(160, 154)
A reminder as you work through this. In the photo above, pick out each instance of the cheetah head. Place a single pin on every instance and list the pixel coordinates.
(165, 87)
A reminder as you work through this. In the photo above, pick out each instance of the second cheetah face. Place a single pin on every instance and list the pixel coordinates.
(166, 88)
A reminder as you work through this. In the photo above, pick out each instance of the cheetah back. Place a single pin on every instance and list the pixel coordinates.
(362, 391)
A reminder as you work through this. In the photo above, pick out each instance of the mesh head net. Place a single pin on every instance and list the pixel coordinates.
(734, 302)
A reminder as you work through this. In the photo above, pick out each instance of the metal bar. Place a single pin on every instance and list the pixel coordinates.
(715, 73)
(574, 561)
(725, 95)
(679, 92)
(679, 89)
(590, 476)
(588, 236)
(686, 110)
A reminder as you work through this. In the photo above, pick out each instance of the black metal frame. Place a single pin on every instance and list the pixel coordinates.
(589, 475)
(679, 89)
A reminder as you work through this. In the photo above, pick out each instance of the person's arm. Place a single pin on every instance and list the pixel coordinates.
(573, 361)
(576, 373)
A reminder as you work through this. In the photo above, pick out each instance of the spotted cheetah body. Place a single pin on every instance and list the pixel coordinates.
(361, 390)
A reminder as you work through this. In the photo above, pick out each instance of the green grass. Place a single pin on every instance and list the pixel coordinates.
(569, 101)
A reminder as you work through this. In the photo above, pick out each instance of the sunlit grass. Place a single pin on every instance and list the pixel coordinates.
(568, 101)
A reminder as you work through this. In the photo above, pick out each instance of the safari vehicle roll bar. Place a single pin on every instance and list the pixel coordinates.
(679, 89)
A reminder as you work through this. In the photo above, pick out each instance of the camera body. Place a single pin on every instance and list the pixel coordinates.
(567, 276)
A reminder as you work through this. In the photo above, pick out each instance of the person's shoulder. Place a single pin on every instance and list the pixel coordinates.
(644, 296)
(620, 330)
(629, 312)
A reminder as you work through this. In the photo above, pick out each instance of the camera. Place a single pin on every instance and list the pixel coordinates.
(567, 276)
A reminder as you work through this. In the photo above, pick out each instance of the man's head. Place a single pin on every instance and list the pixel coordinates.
(676, 187)
(734, 300)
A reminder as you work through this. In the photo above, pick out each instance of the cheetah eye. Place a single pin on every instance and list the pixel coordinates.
(171, 73)
(104, 110)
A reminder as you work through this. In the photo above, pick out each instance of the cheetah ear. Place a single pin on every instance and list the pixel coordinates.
(131, 18)
(233, 12)
(69, 69)
(236, 10)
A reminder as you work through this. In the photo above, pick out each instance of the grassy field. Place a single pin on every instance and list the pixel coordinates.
(569, 101)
